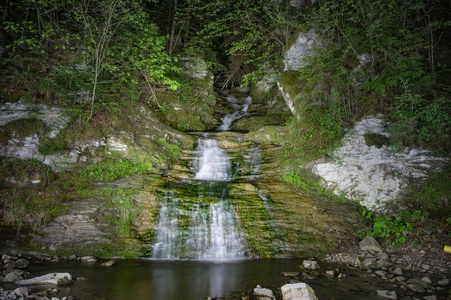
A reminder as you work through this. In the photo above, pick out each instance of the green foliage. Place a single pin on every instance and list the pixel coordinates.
(435, 193)
(23, 128)
(113, 168)
(313, 135)
(300, 180)
(33, 204)
(52, 146)
(421, 121)
(254, 33)
(394, 229)
(122, 200)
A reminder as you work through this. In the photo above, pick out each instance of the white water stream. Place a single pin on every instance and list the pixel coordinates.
(211, 229)
(239, 112)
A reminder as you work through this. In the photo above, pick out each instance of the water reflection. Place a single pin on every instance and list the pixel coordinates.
(169, 279)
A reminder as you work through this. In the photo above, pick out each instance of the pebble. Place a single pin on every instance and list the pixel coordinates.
(443, 282)
(397, 271)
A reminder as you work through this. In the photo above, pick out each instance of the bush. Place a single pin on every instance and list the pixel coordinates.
(394, 229)
(423, 122)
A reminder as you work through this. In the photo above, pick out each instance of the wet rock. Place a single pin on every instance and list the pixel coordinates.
(109, 263)
(381, 273)
(14, 275)
(51, 279)
(397, 271)
(386, 294)
(433, 297)
(443, 282)
(370, 244)
(330, 274)
(21, 263)
(88, 259)
(416, 287)
(298, 291)
(290, 274)
(22, 291)
(263, 293)
(310, 265)
(369, 262)
(427, 280)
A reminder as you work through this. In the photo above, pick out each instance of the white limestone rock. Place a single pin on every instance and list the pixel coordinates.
(294, 57)
(310, 265)
(298, 291)
(50, 279)
(372, 175)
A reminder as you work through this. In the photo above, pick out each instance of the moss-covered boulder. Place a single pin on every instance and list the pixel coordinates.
(191, 107)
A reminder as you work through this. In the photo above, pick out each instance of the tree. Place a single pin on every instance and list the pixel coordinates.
(100, 20)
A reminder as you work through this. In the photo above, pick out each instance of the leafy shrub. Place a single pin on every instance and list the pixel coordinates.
(394, 229)
(434, 194)
(420, 121)
(317, 132)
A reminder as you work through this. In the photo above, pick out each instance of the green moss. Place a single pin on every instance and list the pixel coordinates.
(23, 128)
(52, 146)
(31, 205)
(434, 194)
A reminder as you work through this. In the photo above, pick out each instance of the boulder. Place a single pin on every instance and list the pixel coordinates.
(21, 263)
(298, 291)
(369, 244)
(50, 279)
(13, 276)
(21, 291)
(109, 263)
(300, 49)
(263, 293)
(310, 265)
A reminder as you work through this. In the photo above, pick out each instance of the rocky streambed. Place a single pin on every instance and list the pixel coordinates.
(363, 271)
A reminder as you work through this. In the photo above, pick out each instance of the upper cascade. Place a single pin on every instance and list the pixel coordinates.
(240, 110)
(213, 164)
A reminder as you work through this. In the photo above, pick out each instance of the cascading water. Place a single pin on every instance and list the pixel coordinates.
(209, 229)
(239, 112)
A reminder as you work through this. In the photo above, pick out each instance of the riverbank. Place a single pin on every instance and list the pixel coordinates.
(355, 270)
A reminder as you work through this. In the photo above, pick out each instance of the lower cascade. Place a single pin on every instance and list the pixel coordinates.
(209, 229)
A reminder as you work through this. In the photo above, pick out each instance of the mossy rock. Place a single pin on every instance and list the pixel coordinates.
(254, 122)
(23, 128)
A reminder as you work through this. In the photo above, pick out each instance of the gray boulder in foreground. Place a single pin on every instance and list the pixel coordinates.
(370, 244)
(298, 291)
(51, 279)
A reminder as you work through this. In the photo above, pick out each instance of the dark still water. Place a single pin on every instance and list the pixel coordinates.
(195, 280)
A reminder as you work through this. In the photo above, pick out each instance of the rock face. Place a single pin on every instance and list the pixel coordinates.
(141, 132)
(301, 48)
(372, 172)
(194, 108)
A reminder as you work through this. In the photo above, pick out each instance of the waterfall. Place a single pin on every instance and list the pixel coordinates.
(212, 229)
(240, 111)
(209, 229)
(212, 162)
